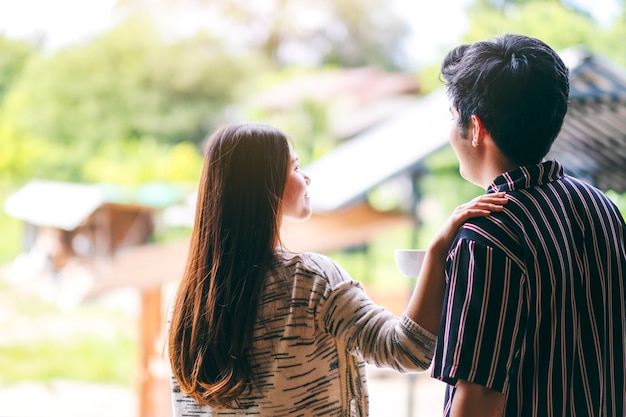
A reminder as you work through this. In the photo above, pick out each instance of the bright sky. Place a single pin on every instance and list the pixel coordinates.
(442, 26)
(61, 21)
(66, 21)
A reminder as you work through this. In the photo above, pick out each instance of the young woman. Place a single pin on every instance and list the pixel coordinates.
(256, 330)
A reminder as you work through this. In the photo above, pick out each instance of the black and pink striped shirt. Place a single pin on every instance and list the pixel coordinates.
(535, 304)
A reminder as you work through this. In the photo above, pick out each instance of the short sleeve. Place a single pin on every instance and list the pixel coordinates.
(482, 319)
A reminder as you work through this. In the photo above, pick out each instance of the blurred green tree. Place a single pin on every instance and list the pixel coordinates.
(14, 56)
(122, 87)
(557, 25)
(129, 83)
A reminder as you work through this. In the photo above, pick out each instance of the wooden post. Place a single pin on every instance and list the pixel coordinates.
(150, 324)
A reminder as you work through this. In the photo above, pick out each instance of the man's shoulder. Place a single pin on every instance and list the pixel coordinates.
(496, 226)
(498, 233)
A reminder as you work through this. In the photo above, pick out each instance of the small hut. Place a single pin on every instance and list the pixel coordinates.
(99, 237)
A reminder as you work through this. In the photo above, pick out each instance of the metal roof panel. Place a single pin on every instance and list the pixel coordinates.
(394, 146)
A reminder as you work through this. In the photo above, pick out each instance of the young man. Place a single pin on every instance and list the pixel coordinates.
(533, 322)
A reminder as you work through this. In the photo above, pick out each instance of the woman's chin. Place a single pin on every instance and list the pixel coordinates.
(298, 218)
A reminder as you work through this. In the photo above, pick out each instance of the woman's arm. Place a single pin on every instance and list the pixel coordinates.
(363, 327)
(426, 301)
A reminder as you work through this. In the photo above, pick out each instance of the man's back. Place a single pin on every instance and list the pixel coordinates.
(538, 290)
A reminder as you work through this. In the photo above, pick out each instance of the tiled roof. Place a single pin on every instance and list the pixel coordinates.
(592, 143)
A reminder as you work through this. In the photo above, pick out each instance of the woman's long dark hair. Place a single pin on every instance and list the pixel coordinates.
(232, 246)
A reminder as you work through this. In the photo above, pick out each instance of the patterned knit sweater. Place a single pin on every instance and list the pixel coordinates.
(315, 331)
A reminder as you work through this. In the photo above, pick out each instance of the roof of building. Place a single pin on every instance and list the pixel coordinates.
(54, 204)
(355, 98)
(391, 148)
(66, 205)
(592, 143)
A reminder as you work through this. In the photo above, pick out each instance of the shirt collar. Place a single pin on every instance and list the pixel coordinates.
(527, 176)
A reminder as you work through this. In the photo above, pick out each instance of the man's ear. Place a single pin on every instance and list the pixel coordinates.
(476, 130)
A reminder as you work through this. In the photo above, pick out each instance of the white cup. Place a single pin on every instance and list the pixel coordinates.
(409, 261)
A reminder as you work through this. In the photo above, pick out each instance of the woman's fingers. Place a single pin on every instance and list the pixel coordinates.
(489, 201)
(481, 206)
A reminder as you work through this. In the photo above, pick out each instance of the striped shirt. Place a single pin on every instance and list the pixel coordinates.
(535, 304)
(316, 328)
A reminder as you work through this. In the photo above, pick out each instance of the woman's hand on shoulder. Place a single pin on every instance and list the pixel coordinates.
(480, 206)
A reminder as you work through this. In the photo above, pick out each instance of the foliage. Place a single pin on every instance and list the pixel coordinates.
(14, 57)
(127, 83)
(550, 21)
(141, 161)
(429, 78)
(373, 264)
(442, 190)
(85, 359)
(11, 242)
(619, 200)
(128, 91)
(35, 346)
(129, 162)
(611, 43)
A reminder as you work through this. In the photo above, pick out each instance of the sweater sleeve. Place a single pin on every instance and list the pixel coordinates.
(370, 331)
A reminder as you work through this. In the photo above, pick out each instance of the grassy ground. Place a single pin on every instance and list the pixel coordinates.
(42, 341)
